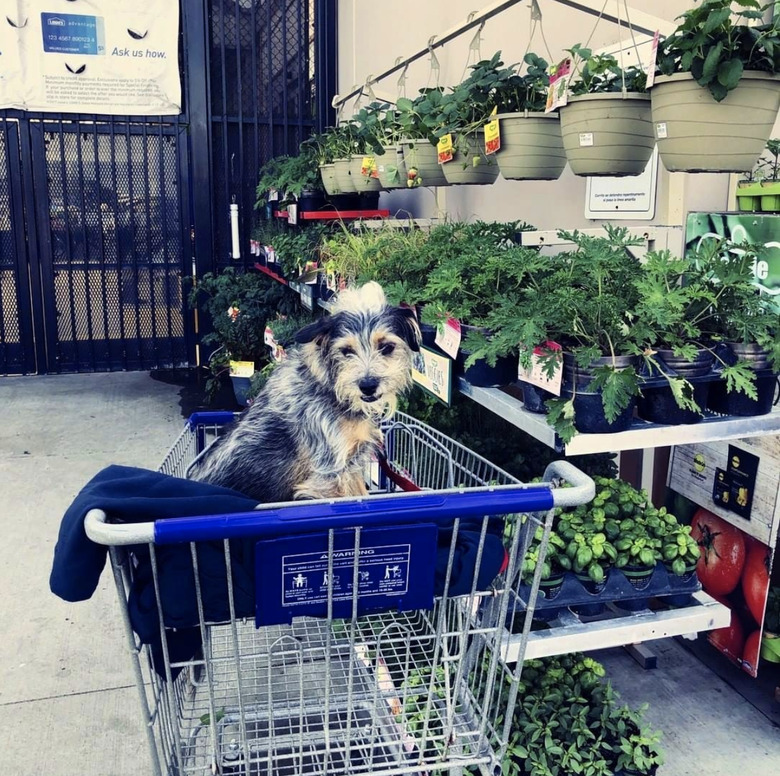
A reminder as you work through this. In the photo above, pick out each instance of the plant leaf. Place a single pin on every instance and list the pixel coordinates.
(730, 72)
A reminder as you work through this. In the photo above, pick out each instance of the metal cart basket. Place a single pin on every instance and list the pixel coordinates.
(376, 640)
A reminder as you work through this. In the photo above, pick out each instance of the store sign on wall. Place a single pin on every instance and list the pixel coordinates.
(115, 58)
(753, 228)
(631, 197)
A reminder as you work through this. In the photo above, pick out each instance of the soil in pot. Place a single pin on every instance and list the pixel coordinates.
(731, 403)
(607, 134)
(531, 146)
(697, 134)
(658, 405)
(469, 165)
(422, 158)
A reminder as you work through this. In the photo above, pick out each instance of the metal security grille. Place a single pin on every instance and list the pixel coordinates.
(112, 234)
(15, 325)
(261, 76)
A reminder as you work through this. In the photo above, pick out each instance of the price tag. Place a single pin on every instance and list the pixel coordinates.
(653, 59)
(660, 130)
(368, 167)
(536, 374)
(242, 368)
(277, 353)
(557, 91)
(273, 195)
(270, 254)
(492, 135)
(586, 139)
(448, 337)
(444, 148)
(268, 337)
(292, 213)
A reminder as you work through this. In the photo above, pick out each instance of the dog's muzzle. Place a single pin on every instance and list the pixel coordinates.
(368, 386)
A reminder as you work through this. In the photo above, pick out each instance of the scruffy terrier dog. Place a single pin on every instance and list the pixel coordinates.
(314, 427)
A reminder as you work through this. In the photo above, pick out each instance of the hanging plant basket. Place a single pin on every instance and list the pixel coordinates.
(531, 146)
(391, 168)
(607, 134)
(343, 176)
(329, 182)
(363, 182)
(697, 134)
(422, 160)
(469, 164)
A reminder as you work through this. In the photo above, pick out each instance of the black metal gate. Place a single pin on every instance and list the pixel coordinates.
(103, 217)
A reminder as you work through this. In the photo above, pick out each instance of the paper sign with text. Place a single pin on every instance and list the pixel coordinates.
(558, 90)
(536, 374)
(444, 148)
(492, 135)
(242, 368)
(433, 372)
(368, 167)
(448, 337)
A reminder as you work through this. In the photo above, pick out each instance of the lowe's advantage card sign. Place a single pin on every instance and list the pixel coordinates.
(91, 56)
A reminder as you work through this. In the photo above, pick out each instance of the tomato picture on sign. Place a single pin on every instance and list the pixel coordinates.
(734, 568)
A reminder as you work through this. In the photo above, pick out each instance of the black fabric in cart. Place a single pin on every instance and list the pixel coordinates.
(132, 495)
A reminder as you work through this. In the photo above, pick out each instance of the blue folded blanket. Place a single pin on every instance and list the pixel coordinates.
(132, 495)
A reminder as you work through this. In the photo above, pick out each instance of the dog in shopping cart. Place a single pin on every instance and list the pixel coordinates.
(314, 428)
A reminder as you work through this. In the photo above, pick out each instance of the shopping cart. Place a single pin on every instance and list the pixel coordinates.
(376, 641)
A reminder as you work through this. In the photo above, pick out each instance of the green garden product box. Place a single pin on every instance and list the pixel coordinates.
(755, 228)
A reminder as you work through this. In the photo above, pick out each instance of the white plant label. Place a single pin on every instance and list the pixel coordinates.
(586, 139)
(660, 130)
(448, 337)
(536, 374)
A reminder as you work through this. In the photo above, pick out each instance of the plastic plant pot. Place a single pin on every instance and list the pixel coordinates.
(731, 403)
(658, 405)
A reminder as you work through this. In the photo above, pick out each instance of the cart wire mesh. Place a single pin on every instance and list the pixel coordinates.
(391, 692)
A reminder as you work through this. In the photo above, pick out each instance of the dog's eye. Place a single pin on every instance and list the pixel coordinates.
(347, 351)
(387, 350)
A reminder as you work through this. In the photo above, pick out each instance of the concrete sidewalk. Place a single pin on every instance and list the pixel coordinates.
(69, 704)
(67, 694)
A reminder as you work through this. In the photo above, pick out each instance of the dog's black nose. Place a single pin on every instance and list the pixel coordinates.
(368, 386)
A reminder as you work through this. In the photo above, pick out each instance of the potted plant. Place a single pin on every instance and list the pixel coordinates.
(606, 123)
(417, 120)
(555, 563)
(717, 94)
(378, 125)
(769, 175)
(462, 115)
(746, 323)
(238, 304)
(531, 144)
(295, 178)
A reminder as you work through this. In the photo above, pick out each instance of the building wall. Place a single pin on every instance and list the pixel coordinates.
(373, 35)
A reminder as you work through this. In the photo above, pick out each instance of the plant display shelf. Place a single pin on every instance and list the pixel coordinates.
(282, 214)
(342, 215)
(278, 278)
(641, 435)
(616, 627)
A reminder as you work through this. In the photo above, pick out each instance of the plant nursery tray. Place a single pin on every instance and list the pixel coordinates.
(662, 584)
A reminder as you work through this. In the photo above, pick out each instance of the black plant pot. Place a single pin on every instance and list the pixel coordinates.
(311, 201)
(658, 405)
(428, 335)
(589, 415)
(731, 403)
(369, 200)
(344, 201)
(550, 588)
(484, 376)
(638, 576)
(534, 398)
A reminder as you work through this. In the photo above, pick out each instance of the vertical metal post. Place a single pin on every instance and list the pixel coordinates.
(325, 61)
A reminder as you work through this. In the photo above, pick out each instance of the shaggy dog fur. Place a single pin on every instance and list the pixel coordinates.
(313, 429)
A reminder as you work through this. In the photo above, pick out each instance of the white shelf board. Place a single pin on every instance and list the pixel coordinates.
(568, 634)
(640, 436)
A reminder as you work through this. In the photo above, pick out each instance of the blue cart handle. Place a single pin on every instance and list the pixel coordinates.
(275, 520)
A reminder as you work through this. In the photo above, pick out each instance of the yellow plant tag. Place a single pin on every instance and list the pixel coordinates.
(444, 147)
(368, 168)
(492, 136)
(242, 368)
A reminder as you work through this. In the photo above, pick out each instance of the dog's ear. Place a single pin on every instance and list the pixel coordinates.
(315, 332)
(406, 326)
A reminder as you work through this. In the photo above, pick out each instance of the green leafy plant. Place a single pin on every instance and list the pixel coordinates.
(767, 167)
(718, 40)
(238, 304)
(526, 92)
(289, 175)
(638, 749)
(601, 74)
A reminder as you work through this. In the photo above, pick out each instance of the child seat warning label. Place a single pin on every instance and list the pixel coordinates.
(382, 570)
